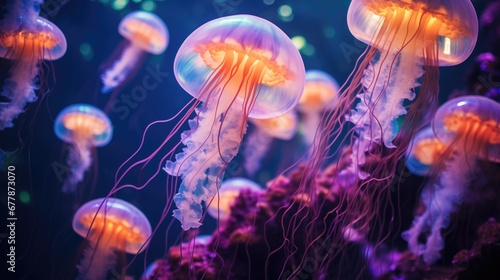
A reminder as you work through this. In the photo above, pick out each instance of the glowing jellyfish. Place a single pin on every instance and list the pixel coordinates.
(26, 44)
(320, 93)
(110, 225)
(259, 139)
(470, 126)
(84, 127)
(144, 32)
(424, 152)
(236, 67)
(220, 206)
(407, 40)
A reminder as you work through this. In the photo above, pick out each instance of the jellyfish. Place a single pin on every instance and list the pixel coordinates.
(220, 206)
(320, 92)
(424, 152)
(407, 41)
(110, 225)
(237, 67)
(259, 139)
(25, 41)
(144, 32)
(470, 126)
(83, 126)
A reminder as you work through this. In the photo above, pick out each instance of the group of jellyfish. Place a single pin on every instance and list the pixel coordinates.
(242, 69)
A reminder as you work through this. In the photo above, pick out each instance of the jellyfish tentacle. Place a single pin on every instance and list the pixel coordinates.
(79, 160)
(100, 261)
(201, 162)
(118, 73)
(387, 84)
(19, 88)
(257, 144)
(440, 200)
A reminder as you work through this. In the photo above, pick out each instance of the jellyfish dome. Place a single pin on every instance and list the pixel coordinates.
(84, 127)
(146, 30)
(425, 150)
(282, 127)
(320, 90)
(43, 40)
(451, 24)
(83, 122)
(236, 67)
(109, 224)
(259, 46)
(476, 120)
(220, 206)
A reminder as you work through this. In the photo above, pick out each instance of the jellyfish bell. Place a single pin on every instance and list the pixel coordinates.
(425, 151)
(237, 67)
(44, 40)
(26, 45)
(320, 90)
(220, 206)
(470, 123)
(251, 42)
(282, 127)
(446, 29)
(109, 225)
(83, 126)
(145, 33)
(470, 127)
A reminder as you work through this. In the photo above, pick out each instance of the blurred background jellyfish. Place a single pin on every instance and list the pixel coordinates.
(407, 41)
(470, 126)
(320, 92)
(83, 126)
(258, 141)
(144, 32)
(424, 152)
(25, 39)
(220, 206)
(236, 67)
(109, 225)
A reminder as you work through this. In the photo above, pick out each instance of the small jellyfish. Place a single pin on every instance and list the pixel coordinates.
(83, 126)
(424, 152)
(407, 41)
(236, 67)
(470, 127)
(259, 139)
(144, 32)
(320, 92)
(26, 44)
(220, 206)
(109, 225)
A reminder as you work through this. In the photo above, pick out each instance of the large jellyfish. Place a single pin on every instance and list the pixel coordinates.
(109, 225)
(144, 32)
(220, 206)
(26, 40)
(470, 126)
(236, 67)
(407, 40)
(424, 152)
(320, 92)
(259, 140)
(83, 126)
